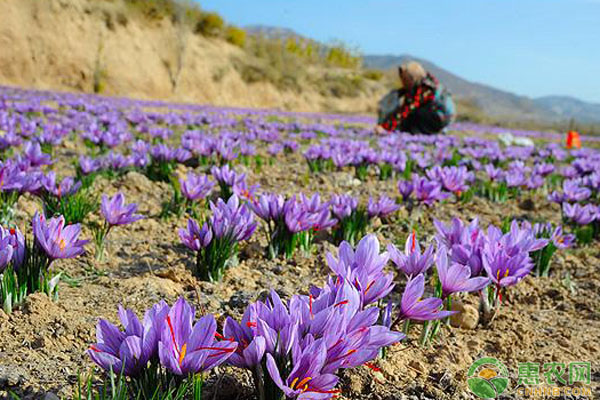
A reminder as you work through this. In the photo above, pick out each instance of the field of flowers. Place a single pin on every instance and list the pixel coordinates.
(170, 251)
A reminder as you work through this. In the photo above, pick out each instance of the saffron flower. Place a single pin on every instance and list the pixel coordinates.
(188, 348)
(195, 187)
(427, 192)
(116, 212)
(57, 240)
(411, 262)
(130, 350)
(306, 381)
(581, 215)
(455, 277)
(505, 269)
(216, 243)
(414, 308)
(363, 267)
(382, 207)
(195, 238)
(6, 252)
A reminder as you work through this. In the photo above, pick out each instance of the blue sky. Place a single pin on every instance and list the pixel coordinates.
(529, 47)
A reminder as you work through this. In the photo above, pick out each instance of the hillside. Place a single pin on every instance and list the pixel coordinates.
(496, 102)
(104, 47)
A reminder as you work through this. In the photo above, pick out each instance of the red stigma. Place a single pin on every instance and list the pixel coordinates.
(219, 336)
(341, 303)
(373, 367)
(414, 242)
(171, 329)
(310, 301)
(251, 324)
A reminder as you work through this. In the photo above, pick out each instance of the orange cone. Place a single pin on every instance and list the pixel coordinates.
(573, 140)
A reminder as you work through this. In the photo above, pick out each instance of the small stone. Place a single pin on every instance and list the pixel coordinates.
(240, 299)
(50, 396)
(527, 205)
(466, 318)
(10, 376)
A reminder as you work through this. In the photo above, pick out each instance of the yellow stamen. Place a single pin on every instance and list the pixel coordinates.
(304, 383)
(293, 383)
(62, 244)
(182, 353)
(506, 273)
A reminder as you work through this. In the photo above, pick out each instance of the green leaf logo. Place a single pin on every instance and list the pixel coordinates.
(487, 378)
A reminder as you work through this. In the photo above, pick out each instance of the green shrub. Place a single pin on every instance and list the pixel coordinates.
(373, 74)
(154, 9)
(210, 25)
(341, 85)
(340, 55)
(236, 36)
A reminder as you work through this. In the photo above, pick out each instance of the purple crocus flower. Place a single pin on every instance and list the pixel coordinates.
(574, 193)
(195, 238)
(454, 179)
(504, 269)
(518, 239)
(543, 169)
(226, 176)
(556, 197)
(411, 262)
(57, 240)
(515, 178)
(87, 165)
(343, 206)
(251, 348)
(382, 207)
(66, 187)
(6, 252)
(427, 192)
(195, 187)
(33, 153)
(581, 215)
(269, 207)
(14, 239)
(414, 308)
(405, 188)
(556, 235)
(363, 268)
(187, 348)
(116, 212)
(129, 351)
(306, 381)
(232, 219)
(535, 181)
(455, 277)
(243, 191)
(495, 174)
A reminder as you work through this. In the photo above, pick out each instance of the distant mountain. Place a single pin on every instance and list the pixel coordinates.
(497, 102)
(569, 107)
